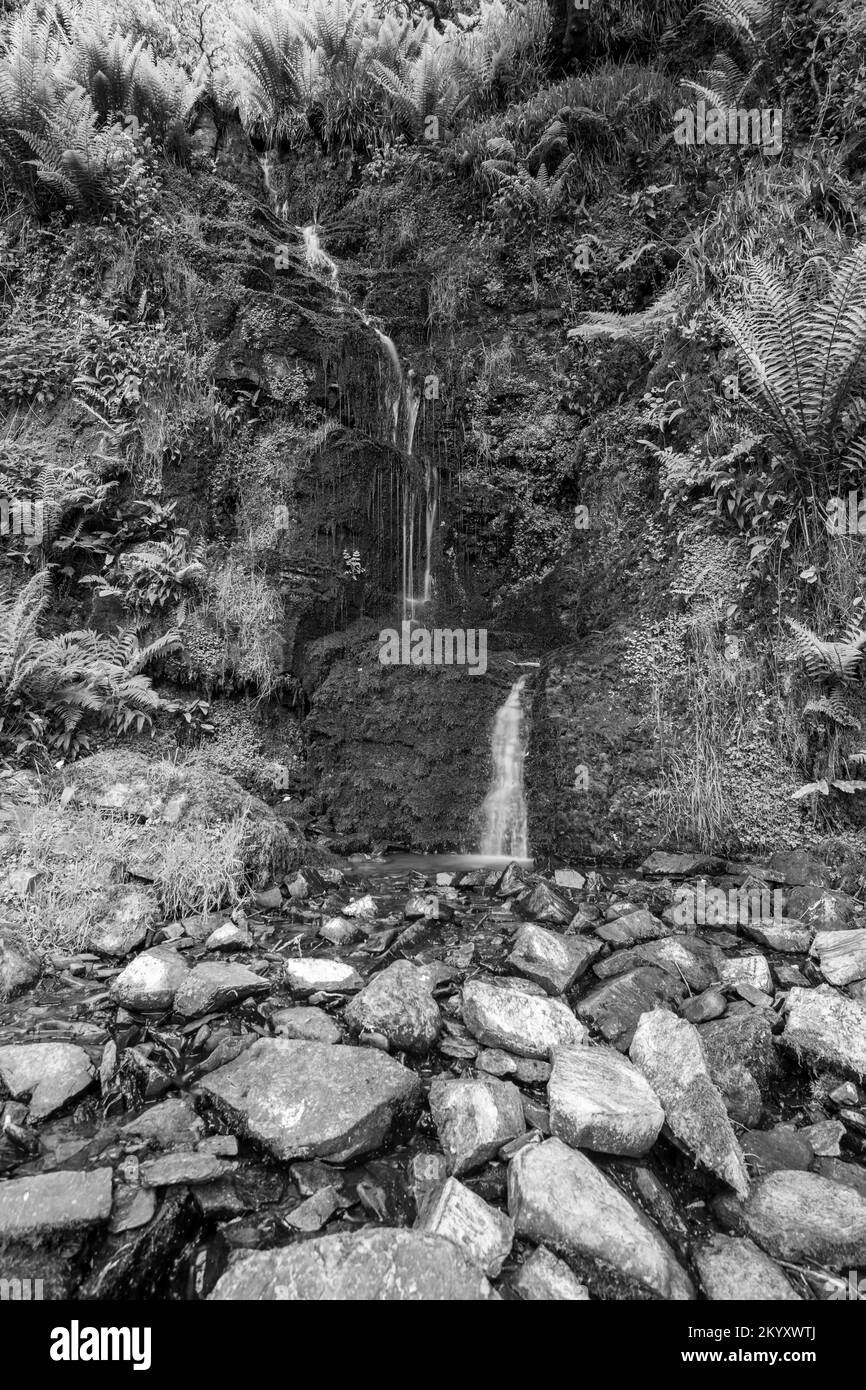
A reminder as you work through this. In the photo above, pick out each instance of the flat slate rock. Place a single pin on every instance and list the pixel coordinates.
(676, 865)
(800, 1216)
(669, 1053)
(841, 955)
(791, 936)
(632, 928)
(518, 1022)
(399, 1004)
(51, 1074)
(824, 1027)
(474, 1117)
(554, 962)
(598, 1100)
(614, 1008)
(64, 1201)
(312, 1100)
(732, 1268)
(181, 1168)
(306, 1023)
(557, 1197)
(384, 1265)
(217, 985)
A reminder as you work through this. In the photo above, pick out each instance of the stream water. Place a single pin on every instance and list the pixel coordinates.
(505, 830)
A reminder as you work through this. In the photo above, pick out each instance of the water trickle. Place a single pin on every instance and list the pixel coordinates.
(505, 827)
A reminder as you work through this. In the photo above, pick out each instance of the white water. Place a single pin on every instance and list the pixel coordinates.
(505, 829)
(317, 258)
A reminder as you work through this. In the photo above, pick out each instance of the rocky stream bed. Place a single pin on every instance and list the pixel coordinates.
(446, 1085)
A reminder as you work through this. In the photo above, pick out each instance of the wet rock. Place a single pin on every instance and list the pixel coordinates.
(777, 1149)
(557, 1197)
(150, 982)
(360, 907)
(615, 1007)
(168, 1124)
(568, 878)
(178, 1168)
(474, 1117)
(668, 1051)
(342, 931)
(733, 1268)
(698, 963)
(748, 970)
(307, 1099)
(133, 1207)
(368, 1266)
(214, 985)
(507, 885)
(598, 1100)
(316, 1211)
(137, 1264)
(398, 1003)
(229, 937)
(704, 1007)
(459, 1215)
(792, 936)
(131, 914)
(634, 927)
(52, 1202)
(518, 1022)
(50, 1074)
(496, 1062)
(846, 1094)
(823, 1139)
(536, 1115)
(800, 1216)
(825, 1028)
(841, 955)
(544, 1278)
(824, 908)
(552, 961)
(306, 1023)
(421, 905)
(312, 974)
(796, 867)
(543, 904)
(19, 967)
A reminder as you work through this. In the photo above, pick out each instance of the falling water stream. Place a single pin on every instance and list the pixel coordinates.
(505, 828)
(402, 391)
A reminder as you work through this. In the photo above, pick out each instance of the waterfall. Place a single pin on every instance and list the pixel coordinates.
(317, 258)
(505, 829)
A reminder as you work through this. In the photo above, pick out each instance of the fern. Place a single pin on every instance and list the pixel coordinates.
(640, 327)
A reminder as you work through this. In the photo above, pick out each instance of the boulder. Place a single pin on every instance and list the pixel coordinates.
(217, 985)
(668, 1051)
(312, 1100)
(824, 1028)
(518, 1022)
(545, 1279)
(554, 962)
(51, 1074)
(314, 974)
(801, 1217)
(150, 982)
(474, 1117)
(734, 1269)
(19, 966)
(53, 1202)
(124, 925)
(632, 928)
(371, 1265)
(614, 1008)
(841, 955)
(598, 1100)
(483, 1234)
(557, 1197)
(397, 1003)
